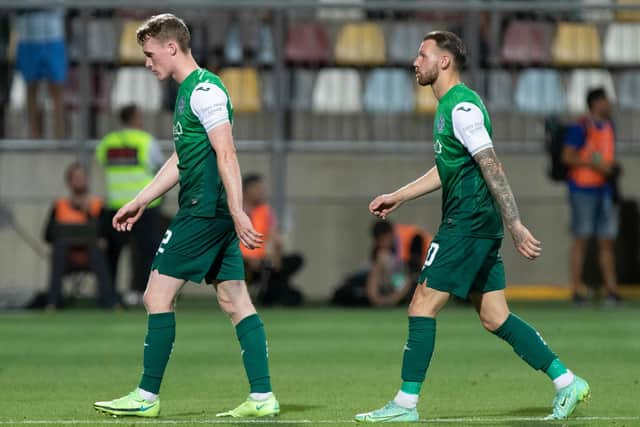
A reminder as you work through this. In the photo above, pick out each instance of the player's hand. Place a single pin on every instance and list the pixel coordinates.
(246, 233)
(127, 215)
(383, 205)
(528, 246)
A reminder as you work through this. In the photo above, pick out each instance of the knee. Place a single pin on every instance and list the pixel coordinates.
(154, 303)
(492, 322)
(234, 300)
(415, 309)
(425, 305)
(228, 305)
(148, 301)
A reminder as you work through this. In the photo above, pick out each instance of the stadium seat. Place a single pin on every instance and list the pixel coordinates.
(389, 90)
(426, 102)
(216, 26)
(102, 40)
(233, 45)
(266, 48)
(250, 24)
(337, 91)
(628, 15)
(136, 85)
(405, 40)
(581, 81)
(267, 86)
(100, 81)
(499, 90)
(621, 45)
(129, 51)
(527, 43)
(72, 90)
(629, 90)
(576, 44)
(308, 42)
(540, 91)
(243, 87)
(360, 44)
(302, 90)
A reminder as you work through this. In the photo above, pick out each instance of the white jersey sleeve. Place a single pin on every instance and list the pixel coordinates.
(209, 104)
(468, 127)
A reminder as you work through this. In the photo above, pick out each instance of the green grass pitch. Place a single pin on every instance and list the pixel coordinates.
(326, 365)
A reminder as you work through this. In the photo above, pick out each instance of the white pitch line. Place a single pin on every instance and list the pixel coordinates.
(466, 420)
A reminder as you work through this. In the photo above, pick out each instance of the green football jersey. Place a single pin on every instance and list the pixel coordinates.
(468, 208)
(202, 104)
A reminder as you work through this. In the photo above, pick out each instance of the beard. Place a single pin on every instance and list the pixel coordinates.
(428, 78)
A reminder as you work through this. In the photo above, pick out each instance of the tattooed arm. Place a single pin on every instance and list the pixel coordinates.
(496, 180)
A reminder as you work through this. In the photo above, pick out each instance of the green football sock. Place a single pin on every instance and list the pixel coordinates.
(161, 332)
(417, 353)
(555, 369)
(255, 355)
(526, 342)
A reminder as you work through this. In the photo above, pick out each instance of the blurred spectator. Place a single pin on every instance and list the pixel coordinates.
(130, 158)
(267, 266)
(75, 230)
(41, 56)
(397, 256)
(589, 154)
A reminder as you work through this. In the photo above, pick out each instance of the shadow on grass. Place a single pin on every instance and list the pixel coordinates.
(533, 411)
(297, 408)
(188, 414)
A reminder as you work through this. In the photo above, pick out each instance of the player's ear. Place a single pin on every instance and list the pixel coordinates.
(173, 49)
(445, 62)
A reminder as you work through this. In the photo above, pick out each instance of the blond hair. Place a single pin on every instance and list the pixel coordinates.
(165, 27)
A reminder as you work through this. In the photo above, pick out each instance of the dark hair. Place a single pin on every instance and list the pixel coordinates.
(71, 169)
(594, 95)
(251, 179)
(446, 40)
(381, 227)
(127, 113)
(165, 27)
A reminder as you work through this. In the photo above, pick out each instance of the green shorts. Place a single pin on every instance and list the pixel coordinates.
(196, 248)
(460, 265)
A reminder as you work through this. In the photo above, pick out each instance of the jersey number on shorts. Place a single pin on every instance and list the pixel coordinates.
(431, 254)
(165, 240)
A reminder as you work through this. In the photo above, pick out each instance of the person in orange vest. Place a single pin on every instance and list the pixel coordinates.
(589, 153)
(398, 252)
(75, 230)
(268, 265)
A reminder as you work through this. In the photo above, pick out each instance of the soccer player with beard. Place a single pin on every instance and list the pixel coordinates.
(464, 258)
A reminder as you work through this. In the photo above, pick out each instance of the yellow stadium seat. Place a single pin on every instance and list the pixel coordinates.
(576, 45)
(426, 102)
(243, 87)
(130, 52)
(628, 15)
(360, 44)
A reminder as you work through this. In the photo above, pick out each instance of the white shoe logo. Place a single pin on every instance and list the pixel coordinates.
(406, 348)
